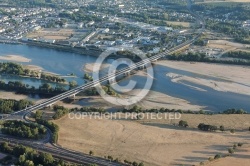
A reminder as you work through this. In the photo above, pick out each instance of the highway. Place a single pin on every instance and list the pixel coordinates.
(58, 152)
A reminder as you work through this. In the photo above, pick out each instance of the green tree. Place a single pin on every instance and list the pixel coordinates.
(72, 84)
(230, 150)
(222, 128)
(28, 163)
(183, 123)
(46, 158)
(22, 159)
(217, 156)
(91, 153)
(141, 164)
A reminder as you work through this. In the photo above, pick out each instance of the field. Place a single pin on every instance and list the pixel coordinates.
(239, 122)
(184, 24)
(240, 158)
(226, 45)
(155, 143)
(12, 95)
(56, 34)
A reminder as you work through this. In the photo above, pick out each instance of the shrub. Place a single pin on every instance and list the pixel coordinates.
(232, 131)
(183, 123)
(240, 144)
(110, 158)
(205, 127)
(135, 163)
(217, 156)
(230, 150)
(141, 164)
(91, 153)
(222, 128)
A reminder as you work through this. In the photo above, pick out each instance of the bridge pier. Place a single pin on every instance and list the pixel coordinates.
(50, 105)
(112, 81)
(127, 74)
(141, 67)
(73, 96)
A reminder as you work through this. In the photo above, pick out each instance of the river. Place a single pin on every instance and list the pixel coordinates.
(64, 63)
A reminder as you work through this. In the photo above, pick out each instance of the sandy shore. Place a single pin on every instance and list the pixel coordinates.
(161, 100)
(90, 67)
(152, 100)
(33, 67)
(154, 145)
(15, 58)
(216, 85)
(231, 78)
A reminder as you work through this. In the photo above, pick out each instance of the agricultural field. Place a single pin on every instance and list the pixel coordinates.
(184, 24)
(57, 34)
(153, 142)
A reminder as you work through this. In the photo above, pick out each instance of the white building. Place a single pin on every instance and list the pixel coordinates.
(2, 30)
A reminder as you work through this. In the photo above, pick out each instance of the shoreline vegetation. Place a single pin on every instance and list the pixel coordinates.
(91, 50)
(201, 57)
(21, 88)
(11, 68)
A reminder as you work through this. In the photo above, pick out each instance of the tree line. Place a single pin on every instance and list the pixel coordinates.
(88, 109)
(201, 57)
(23, 130)
(238, 54)
(29, 157)
(137, 109)
(235, 111)
(17, 69)
(60, 111)
(19, 87)
(105, 89)
(8, 106)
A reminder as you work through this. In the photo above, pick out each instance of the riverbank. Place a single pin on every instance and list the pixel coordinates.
(15, 58)
(68, 48)
(90, 67)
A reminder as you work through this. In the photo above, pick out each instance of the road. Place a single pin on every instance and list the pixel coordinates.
(57, 152)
